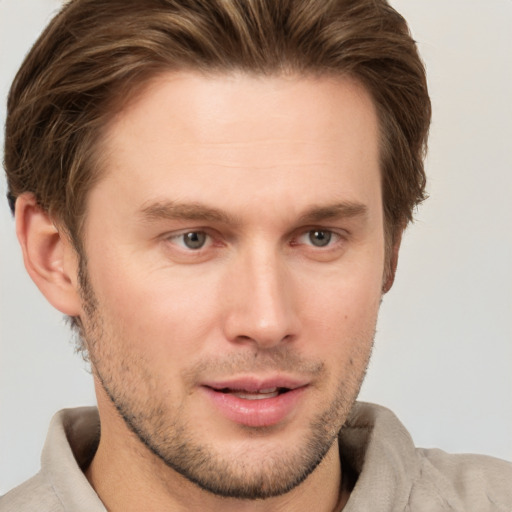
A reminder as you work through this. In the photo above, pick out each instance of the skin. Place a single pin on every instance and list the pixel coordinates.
(262, 169)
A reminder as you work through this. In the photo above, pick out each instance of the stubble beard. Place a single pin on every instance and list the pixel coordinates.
(168, 436)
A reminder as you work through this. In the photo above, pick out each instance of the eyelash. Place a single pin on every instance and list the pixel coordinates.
(179, 237)
(334, 238)
(330, 236)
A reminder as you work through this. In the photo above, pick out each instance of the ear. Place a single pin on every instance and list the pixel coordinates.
(389, 277)
(49, 257)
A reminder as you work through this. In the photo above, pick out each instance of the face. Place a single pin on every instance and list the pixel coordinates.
(235, 256)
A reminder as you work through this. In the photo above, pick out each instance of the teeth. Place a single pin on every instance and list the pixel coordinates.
(256, 396)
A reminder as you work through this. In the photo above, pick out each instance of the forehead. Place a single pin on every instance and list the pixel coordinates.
(205, 106)
(200, 137)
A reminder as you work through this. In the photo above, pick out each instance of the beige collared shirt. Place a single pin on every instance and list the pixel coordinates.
(392, 475)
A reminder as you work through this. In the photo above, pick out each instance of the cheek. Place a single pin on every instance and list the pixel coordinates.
(350, 294)
(154, 311)
(340, 316)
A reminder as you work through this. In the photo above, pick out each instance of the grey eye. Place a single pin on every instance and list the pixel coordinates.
(194, 239)
(319, 238)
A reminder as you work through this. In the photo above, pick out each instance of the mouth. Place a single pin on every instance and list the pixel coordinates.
(260, 394)
(256, 403)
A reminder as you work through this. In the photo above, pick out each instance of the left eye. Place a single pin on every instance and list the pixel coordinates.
(193, 240)
(318, 237)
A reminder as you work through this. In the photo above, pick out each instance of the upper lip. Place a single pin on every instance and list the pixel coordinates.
(254, 384)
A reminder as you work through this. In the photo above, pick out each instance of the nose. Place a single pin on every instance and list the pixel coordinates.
(261, 306)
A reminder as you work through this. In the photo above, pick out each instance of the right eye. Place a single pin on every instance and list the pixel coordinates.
(190, 240)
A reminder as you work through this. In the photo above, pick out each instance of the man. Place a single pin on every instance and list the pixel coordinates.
(215, 195)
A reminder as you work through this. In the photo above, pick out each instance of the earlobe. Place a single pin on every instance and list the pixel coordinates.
(49, 256)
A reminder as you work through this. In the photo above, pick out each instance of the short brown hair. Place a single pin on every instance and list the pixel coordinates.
(95, 53)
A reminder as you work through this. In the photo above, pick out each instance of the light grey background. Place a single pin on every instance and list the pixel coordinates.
(444, 346)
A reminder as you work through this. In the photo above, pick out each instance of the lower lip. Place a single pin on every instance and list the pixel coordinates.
(264, 412)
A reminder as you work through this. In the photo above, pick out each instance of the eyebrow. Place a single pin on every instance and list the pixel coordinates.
(170, 210)
(343, 210)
